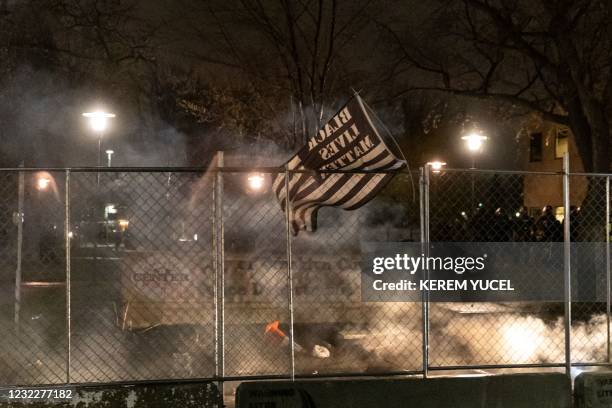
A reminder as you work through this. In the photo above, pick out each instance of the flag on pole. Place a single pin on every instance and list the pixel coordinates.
(348, 142)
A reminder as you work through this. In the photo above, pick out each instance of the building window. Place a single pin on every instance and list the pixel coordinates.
(535, 147)
(561, 142)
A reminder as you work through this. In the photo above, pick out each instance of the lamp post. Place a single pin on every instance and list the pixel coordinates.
(436, 167)
(98, 121)
(109, 154)
(474, 142)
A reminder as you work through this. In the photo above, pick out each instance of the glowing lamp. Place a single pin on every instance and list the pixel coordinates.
(436, 166)
(42, 183)
(98, 120)
(474, 141)
(255, 181)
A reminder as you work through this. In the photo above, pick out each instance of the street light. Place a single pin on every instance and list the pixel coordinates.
(474, 142)
(256, 181)
(436, 166)
(98, 120)
(42, 183)
(109, 153)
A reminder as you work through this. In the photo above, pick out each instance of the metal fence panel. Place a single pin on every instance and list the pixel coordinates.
(142, 273)
(185, 274)
(364, 337)
(255, 269)
(32, 337)
(590, 330)
(490, 207)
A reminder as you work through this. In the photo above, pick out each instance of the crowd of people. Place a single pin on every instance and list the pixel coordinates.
(489, 224)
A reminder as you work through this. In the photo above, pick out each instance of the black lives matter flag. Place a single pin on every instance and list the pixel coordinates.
(348, 142)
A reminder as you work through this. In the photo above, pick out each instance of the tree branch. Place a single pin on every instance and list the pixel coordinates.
(511, 98)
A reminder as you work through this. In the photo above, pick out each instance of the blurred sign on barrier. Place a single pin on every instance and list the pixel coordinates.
(159, 288)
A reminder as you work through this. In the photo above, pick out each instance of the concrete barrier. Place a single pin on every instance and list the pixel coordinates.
(189, 395)
(593, 389)
(502, 391)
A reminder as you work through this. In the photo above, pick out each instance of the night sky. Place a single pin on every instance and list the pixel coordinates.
(187, 78)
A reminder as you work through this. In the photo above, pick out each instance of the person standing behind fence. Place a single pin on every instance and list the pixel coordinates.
(547, 227)
(523, 226)
(502, 229)
(575, 220)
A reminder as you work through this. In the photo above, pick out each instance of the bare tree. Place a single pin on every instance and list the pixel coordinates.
(300, 48)
(552, 57)
(74, 50)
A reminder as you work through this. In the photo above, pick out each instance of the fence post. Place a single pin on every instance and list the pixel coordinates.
(68, 294)
(19, 220)
(567, 266)
(424, 218)
(608, 265)
(219, 255)
(289, 271)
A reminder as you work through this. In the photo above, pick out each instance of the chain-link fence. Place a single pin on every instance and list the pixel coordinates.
(127, 274)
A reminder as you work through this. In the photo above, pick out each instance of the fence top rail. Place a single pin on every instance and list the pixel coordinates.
(273, 170)
(501, 171)
(591, 174)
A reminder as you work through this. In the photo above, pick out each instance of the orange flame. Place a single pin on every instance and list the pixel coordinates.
(273, 327)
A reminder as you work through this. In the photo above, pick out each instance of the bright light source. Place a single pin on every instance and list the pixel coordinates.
(123, 224)
(42, 183)
(70, 234)
(110, 209)
(98, 120)
(109, 154)
(518, 214)
(523, 338)
(256, 181)
(436, 165)
(474, 141)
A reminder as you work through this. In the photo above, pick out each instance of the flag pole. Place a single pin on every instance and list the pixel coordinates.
(289, 271)
(390, 135)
